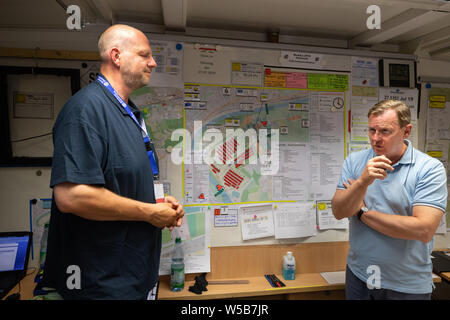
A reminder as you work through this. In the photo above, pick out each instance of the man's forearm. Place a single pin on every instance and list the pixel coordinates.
(346, 203)
(420, 226)
(98, 203)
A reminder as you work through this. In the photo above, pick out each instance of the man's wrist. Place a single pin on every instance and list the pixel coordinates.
(362, 183)
(362, 211)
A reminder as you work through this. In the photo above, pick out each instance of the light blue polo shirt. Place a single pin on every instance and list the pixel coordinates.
(418, 179)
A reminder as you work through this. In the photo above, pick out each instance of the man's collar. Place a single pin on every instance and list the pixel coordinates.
(407, 156)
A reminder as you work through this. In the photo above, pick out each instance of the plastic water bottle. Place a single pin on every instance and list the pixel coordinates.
(289, 266)
(177, 267)
(43, 250)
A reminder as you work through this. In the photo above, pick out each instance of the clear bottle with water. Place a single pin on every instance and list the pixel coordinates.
(43, 250)
(177, 267)
(289, 266)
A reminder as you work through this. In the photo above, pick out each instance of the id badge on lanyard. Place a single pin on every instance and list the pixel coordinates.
(148, 143)
(153, 158)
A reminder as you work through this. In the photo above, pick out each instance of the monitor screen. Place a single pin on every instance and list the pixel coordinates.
(13, 252)
(399, 75)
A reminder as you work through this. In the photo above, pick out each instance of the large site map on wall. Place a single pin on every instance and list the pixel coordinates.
(237, 173)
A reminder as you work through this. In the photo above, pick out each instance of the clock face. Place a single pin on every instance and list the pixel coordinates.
(338, 102)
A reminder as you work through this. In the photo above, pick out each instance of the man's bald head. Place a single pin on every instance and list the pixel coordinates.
(126, 58)
(117, 36)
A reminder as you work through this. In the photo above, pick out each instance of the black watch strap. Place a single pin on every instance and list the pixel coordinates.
(361, 212)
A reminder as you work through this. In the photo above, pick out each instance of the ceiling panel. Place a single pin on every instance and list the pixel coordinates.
(28, 13)
(325, 19)
(140, 11)
(293, 17)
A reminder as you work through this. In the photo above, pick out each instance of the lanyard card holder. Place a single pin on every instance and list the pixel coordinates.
(152, 157)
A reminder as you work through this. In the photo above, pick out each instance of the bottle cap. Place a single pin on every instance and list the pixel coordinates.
(289, 253)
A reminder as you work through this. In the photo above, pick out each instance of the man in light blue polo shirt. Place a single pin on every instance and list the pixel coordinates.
(394, 196)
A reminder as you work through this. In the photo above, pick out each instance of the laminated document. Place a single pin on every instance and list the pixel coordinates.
(195, 235)
(326, 219)
(294, 220)
(257, 221)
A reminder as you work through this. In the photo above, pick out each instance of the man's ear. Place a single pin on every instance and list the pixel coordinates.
(114, 55)
(408, 129)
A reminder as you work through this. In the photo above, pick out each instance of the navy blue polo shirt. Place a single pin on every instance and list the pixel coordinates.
(96, 142)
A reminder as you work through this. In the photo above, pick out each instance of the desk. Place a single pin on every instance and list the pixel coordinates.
(445, 275)
(27, 286)
(305, 286)
(257, 287)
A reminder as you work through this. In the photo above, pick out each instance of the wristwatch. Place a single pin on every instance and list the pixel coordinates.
(363, 210)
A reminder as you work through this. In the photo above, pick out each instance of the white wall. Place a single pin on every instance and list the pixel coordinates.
(19, 186)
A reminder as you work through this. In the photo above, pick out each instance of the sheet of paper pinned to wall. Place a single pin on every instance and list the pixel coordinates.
(247, 73)
(355, 147)
(406, 95)
(257, 221)
(438, 135)
(292, 180)
(359, 121)
(169, 58)
(299, 59)
(438, 127)
(195, 236)
(206, 64)
(364, 81)
(326, 219)
(327, 135)
(294, 220)
(40, 210)
(364, 71)
(225, 216)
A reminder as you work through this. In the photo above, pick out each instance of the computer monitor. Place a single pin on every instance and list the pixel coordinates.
(14, 250)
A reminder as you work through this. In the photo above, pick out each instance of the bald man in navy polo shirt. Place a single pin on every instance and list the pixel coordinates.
(104, 219)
